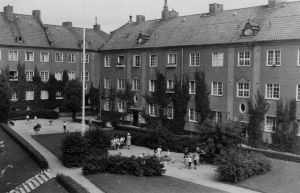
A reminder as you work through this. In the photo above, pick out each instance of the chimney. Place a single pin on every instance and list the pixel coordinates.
(36, 14)
(140, 18)
(9, 12)
(215, 8)
(275, 3)
(97, 27)
(166, 14)
(67, 24)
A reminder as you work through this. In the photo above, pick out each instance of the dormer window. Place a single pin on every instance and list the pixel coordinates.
(142, 38)
(250, 29)
(20, 39)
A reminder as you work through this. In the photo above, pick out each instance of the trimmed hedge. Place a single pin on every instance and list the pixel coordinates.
(34, 154)
(69, 184)
(149, 166)
(42, 113)
(235, 166)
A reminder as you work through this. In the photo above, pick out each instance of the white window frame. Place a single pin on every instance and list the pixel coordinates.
(87, 76)
(44, 76)
(107, 83)
(298, 57)
(29, 57)
(298, 92)
(72, 58)
(14, 96)
(242, 91)
(193, 115)
(298, 128)
(121, 83)
(87, 58)
(44, 56)
(172, 59)
(59, 57)
(121, 106)
(242, 59)
(29, 75)
(273, 59)
(217, 59)
(153, 110)
(152, 85)
(106, 105)
(217, 117)
(29, 95)
(270, 91)
(58, 95)
(58, 76)
(13, 55)
(153, 60)
(15, 77)
(192, 87)
(269, 127)
(170, 113)
(136, 84)
(195, 59)
(170, 85)
(137, 61)
(71, 75)
(121, 64)
(44, 95)
(0, 54)
(107, 60)
(215, 91)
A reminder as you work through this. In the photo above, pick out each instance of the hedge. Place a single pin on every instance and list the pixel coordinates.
(69, 184)
(34, 154)
(46, 114)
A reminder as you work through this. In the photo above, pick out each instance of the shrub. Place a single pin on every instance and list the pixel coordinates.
(69, 184)
(46, 114)
(74, 148)
(98, 141)
(236, 165)
(137, 166)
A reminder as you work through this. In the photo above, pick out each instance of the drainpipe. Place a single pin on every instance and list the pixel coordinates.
(181, 68)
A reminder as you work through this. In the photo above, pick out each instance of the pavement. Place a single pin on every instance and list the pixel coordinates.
(203, 175)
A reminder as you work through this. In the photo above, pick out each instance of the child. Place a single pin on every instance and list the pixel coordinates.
(196, 160)
(159, 151)
(65, 126)
(189, 159)
(27, 119)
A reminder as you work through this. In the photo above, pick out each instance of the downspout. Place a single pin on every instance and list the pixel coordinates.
(181, 68)
(100, 70)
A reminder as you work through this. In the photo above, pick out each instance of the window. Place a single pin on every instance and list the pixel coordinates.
(86, 76)
(59, 57)
(273, 58)
(298, 93)
(121, 84)
(87, 58)
(44, 95)
(170, 113)
(0, 55)
(217, 88)
(44, 75)
(121, 61)
(153, 110)
(72, 58)
(136, 84)
(170, 85)
(29, 95)
(298, 59)
(107, 83)
(244, 58)
(106, 105)
(121, 106)
(29, 56)
(107, 61)
(172, 59)
(153, 60)
(270, 124)
(13, 55)
(272, 91)
(58, 95)
(217, 117)
(218, 59)
(243, 89)
(58, 75)
(14, 96)
(13, 75)
(152, 85)
(298, 128)
(193, 115)
(137, 61)
(44, 57)
(192, 87)
(29, 75)
(195, 59)
(71, 75)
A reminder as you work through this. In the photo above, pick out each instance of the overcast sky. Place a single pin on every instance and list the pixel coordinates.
(114, 13)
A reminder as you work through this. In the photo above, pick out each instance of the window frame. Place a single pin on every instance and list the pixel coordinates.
(107, 83)
(44, 78)
(272, 91)
(44, 95)
(267, 126)
(14, 96)
(72, 75)
(31, 58)
(58, 74)
(170, 112)
(14, 56)
(217, 117)
(151, 65)
(134, 61)
(273, 58)
(42, 58)
(244, 59)
(29, 95)
(170, 58)
(194, 63)
(106, 105)
(87, 58)
(169, 88)
(72, 58)
(243, 90)
(107, 61)
(152, 85)
(56, 57)
(298, 92)
(137, 86)
(195, 117)
(29, 74)
(192, 90)
(87, 76)
(153, 110)
(121, 83)
(121, 106)
(58, 95)
(212, 89)
(215, 61)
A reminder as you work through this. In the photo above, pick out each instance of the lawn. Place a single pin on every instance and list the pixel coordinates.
(284, 178)
(24, 167)
(112, 183)
(50, 187)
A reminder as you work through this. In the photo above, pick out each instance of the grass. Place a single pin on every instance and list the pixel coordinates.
(50, 187)
(284, 177)
(113, 183)
(24, 166)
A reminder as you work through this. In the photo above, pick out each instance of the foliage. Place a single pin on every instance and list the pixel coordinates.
(74, 148)
(126, 95)
(52, 87)
(69, 184)
(111, 116)
(72, 96)
(37, 86)
(37, 127)
(235, 166)
(201, 98)
(5, 99)
(97, 142)
(149, 166)
(40, 113)
(94, 96)
(21, 86)
(257, 110)
(65, 78)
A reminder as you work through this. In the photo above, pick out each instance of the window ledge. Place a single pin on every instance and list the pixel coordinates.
(120, 65)
(171, 65)
(191, 121)
(170, 91)
(275, 99)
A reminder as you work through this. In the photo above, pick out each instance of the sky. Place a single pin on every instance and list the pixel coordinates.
(112, 14)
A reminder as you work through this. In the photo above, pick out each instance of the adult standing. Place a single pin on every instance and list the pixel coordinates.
(128, 140)
(27, 119)
(35, 119)
(65, 127)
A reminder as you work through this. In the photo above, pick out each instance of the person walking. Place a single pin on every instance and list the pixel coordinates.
(196, 160)
(27, 119)
(65, 127)
(189, 159)
(35, 120)
(128, 140)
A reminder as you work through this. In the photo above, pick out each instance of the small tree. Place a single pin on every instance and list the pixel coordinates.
(22, 86)
(37, 86)
(94, 96)
(52, 87)
(73, 96)
(4, 99)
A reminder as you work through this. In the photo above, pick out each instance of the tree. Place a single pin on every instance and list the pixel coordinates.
(73, 96)
(37, 86)
(52, 87)
(21, 87)
(5, 99)
(201, 98)
(65, 78)
(94, 96)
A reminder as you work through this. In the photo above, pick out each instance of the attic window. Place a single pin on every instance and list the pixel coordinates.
(250, 29)
(142, 38)
(20, 39)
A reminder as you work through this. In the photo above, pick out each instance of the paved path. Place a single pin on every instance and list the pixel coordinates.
(55, 165)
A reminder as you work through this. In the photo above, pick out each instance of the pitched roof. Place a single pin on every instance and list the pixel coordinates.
(282, 23)
(36, 34)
